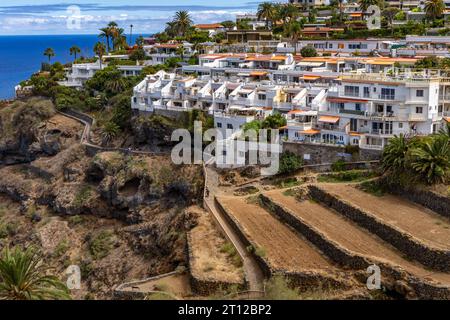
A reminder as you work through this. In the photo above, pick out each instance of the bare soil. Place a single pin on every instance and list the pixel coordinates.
(422, 223)
(281, 246)
(210, 261)
(350, 236)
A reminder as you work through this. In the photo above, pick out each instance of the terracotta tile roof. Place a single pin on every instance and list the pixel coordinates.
(209, 26)
(329, 119)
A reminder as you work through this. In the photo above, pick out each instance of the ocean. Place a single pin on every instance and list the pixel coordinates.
(21, 56)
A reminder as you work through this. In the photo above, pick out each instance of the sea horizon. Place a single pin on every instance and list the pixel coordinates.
(22, 55)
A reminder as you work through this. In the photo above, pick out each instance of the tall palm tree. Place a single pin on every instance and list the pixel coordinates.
(49, 52)
(267, 12)
(119, 40)
(74, 51)
(294, 31)
(99, 49)
(106, 33)
(432, 159)
(171, 29)
(288, 12)
(434, 9)
(23, 276)
(182, 22)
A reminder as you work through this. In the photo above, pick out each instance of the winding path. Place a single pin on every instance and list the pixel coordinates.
(254, 274)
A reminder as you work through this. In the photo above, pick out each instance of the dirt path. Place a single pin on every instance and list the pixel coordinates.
(252, 270)
(350, 236)
(282, 247)
(414, 219)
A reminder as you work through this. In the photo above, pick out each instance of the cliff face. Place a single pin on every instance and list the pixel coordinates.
(22, 135)
(139, 201)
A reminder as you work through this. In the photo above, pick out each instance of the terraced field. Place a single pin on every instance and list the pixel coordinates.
(282, 247)
(350, 236)
(425, 225)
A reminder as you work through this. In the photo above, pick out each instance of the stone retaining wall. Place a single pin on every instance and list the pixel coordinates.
(412, 247)
(391, 275)
(304, 280)
(429, 199)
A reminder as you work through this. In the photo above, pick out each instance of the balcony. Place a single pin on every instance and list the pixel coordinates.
(355, 112)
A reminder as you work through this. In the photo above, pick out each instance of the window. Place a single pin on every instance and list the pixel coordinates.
(400, 125)
(219, 124)
(419, 93)
(261, 97)
(358, 106)
(366, 92)
(229, 126)
(351, 91)
(419, 109)
(330, 46)
(387, 93)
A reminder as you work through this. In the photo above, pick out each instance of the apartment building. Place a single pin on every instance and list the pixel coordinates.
(369, 109)
(310, 3)
(159, 53)
(78, 74)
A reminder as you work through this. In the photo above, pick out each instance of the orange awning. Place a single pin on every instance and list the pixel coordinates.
(447, 119)
(329, 119)
(258, 73)
(310, 131)
(306, 77)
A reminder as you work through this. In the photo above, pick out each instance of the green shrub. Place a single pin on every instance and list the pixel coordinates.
(101, 245)
(372, 187)
(289, 162)
(339, 165)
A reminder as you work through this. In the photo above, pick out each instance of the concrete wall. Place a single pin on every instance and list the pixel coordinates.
(319, 153)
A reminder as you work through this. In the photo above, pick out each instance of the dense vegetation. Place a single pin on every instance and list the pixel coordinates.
(412, 160)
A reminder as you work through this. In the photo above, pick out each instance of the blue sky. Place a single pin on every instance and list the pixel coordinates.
(23, 17)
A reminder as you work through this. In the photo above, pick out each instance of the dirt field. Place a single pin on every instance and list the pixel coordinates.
(350, 236)
(281, 246)
(211, 260)
(416, 220)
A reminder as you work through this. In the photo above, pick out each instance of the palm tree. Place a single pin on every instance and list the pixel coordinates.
(182, 22)
(432, 159)
(180, 52)
(267, 11)
(49, 52)
(119, 40)
(23, 276)
(395, 153)
(288, 12)
(74, 51)
(99, 49)
(107, 34)
(445, 130)
(364, 4)
(389, 13)
(109, 131)
(294, 31)
(434, 9)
